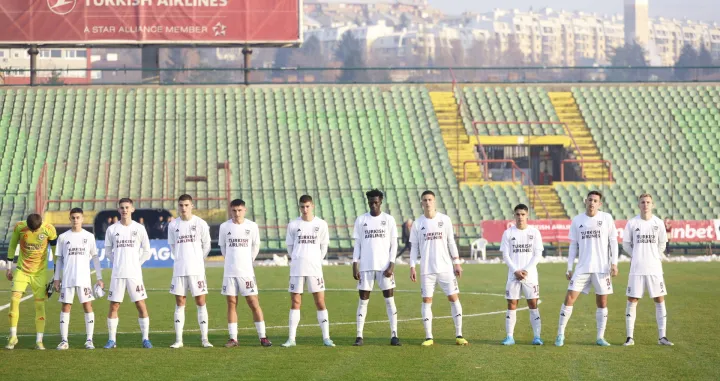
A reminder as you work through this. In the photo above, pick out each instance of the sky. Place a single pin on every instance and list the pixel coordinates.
(701, 10)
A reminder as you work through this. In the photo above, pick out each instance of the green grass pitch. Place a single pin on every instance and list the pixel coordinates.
(692, 324)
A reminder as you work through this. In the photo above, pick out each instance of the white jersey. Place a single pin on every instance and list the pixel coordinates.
(190, 243)
(522, 250)
(76, 251)
(307, 239)
(375, 241)
(128, 248)
(646, 239)
(433, 240)
(240, 244)
(596, 240)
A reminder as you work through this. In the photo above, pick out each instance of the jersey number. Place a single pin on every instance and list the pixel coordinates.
(86, 291)
(139, 288)
(201, 284)
(248, 284)
(320, 282)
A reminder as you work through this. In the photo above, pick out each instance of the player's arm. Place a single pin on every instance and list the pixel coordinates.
(574, 236)
(505, 250)
(414, 251)
(627, 239)
(12, 260)
(452, 248)
(537, 252)
(662, 240)
(221, 239)
(52, 239)
(613, 243)
(356, 250)
(109, 246)
(172, 240)
(290, 239)
(59, 266)
(393, 249)
(96, 262)
(324, 240)
(145, 247)
(255, 243)
(205, 239)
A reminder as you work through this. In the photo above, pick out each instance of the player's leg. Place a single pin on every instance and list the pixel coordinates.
(230, 290)
(449, 284)
(427, 288)
(253, 303)
(136, 290)
(578, 283)
(20, 283)
(603, 287)
(510, 319)
(66, 298)
(89, 324)
(635, 291)
(39, 287)
(296, 289)
(178, 287)
(365, 286)
(657, 291)
(387, 285)
(317, 286)
(535, 322)
(116, 294)
(198, 288)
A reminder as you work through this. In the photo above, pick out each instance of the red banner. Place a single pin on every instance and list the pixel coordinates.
(557, 230)
(150, 22)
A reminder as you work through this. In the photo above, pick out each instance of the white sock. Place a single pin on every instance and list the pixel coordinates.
(535, 322)
(260, 328)
(13, 331)
(232, 330)
(510, 319)
(294, 320)
(202, 316)
(601, 316)
(392, 315)
(427, 316)
(360, 318)
(324, 322)
(112, 328)
(64, 323)
(144, 327)
(456, 311)
(38, 337)
(661, 317)
(90, 325)
(179, 323)
(630, 318)
(565, 313)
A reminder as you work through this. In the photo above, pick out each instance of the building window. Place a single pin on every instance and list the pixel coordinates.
(56, 53)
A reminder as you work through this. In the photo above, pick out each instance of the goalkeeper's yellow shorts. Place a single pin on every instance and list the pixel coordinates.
(38, 283)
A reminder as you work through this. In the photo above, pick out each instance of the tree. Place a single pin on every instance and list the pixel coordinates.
(54, 78)
(478, 54)
(310, 54)
(688, 57)
(514, 56)
(705, 59)
(352, 55)
(628, 56)
(282, 57)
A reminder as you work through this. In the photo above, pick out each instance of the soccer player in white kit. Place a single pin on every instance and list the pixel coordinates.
(374, 255)
(522, 249)
(127, 247)
(307, 243)
(593, 239)
(644, 239)
(433, 240)
(75, 250)
(189, 239)
(239, 242)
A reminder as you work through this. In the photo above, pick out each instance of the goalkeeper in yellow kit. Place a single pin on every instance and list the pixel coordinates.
(34, 237)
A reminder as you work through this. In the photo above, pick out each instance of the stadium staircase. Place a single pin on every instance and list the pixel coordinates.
(551, 200)
(456, 139)
(568, 112)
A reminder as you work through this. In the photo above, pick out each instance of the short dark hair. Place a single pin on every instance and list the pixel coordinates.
(76, 211)
(521, 207)
(305, 198)
(125, 200)
(426, 193)
(185, 197)
(374, 193)
(34, 221)
(237, 202)
(595, 193)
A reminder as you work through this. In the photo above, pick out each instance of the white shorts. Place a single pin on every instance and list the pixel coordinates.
(135, 288)
(234, 286)
(84, 295)
(601, 283)
(368, 279)
(514, 289)
(314, 284)
(448, 282)
(638, 284)
(195, 283)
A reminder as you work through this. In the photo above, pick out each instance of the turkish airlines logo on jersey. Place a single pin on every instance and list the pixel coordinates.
(61, 7)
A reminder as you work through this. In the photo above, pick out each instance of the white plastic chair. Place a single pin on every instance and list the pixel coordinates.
(478, 246)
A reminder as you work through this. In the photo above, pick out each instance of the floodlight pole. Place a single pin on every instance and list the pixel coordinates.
(33, 52)
(247, 53)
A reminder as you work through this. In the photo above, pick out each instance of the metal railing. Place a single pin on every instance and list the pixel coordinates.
(607, 163)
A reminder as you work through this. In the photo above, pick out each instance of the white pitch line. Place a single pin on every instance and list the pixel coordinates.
(301, 325)
(6, 306)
